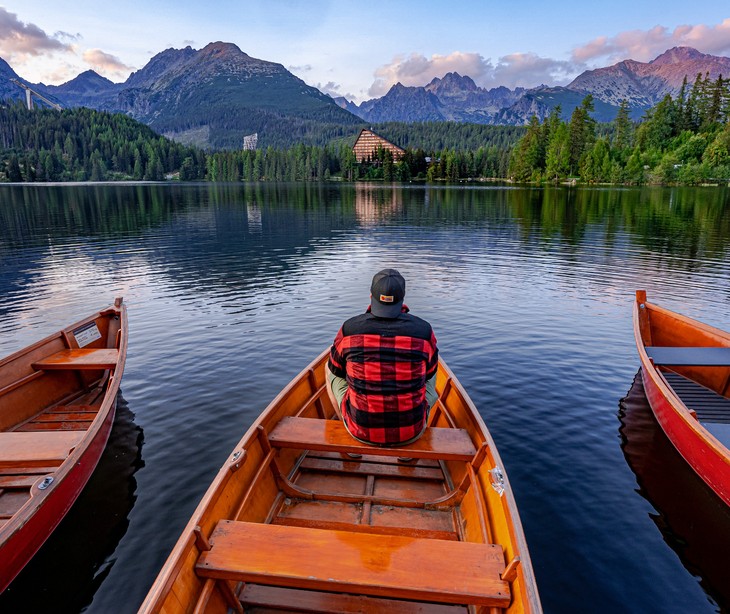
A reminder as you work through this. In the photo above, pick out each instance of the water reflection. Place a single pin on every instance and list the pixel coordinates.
(76, 559)
(692, 519)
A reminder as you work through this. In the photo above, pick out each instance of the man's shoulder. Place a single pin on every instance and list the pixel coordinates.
(406, 324)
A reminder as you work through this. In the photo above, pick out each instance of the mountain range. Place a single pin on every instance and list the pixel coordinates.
(214, 96)
(458, 98)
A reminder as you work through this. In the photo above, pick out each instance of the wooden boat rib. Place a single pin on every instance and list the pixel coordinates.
(686, 374)
(57, 404)
(292, 521)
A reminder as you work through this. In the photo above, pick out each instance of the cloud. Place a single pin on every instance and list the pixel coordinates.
(20, 40)
(333, 89)
(302, 68)
(105, 63)
(645, 45)
(515, 70)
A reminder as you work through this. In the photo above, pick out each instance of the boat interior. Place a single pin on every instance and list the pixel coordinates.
(324, 523)
(50, 395)
(694, 360)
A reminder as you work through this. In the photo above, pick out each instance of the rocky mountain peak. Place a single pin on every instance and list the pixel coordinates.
(452, 82)
(222, 50)
(677, 55)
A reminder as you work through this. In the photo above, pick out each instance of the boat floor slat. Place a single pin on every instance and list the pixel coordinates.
(298, 600)
(53, 426)
(709, 406)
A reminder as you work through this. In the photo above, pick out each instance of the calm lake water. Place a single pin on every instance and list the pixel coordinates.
(233, 289)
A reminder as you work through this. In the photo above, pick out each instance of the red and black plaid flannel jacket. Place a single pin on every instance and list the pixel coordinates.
(386, 363)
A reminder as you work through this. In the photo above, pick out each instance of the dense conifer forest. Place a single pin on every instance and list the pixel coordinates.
(684, 140)
(85, 145)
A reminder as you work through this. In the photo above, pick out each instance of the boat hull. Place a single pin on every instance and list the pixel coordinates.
(707, 456)
(57, 405)
(244, 492)
(20, 547)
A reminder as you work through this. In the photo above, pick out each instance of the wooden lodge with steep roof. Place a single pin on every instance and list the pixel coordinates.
(367, 143)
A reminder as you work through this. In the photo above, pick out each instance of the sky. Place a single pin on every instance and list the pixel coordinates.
(359, 50)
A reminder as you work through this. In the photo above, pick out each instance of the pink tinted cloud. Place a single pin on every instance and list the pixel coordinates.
(105, 63)
(645, 45)
(19, 39)
(514, 70)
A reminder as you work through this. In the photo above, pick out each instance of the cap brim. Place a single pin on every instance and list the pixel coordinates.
(385, 311)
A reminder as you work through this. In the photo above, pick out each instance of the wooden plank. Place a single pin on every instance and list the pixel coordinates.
(84, 358)
(274, 597)
(34, 427)
(689, 356)
(84, 416)
(77, 409)
(37, 449)
(414, 471)
(359, 563)
(25, 470)
(331, 435)
(18, 481)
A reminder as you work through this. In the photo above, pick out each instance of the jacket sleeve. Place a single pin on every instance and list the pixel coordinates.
(433, 360)
(336, 361)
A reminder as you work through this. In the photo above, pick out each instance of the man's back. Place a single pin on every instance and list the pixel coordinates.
(386, 362)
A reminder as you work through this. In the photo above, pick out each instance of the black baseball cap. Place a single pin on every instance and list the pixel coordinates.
(387, 293)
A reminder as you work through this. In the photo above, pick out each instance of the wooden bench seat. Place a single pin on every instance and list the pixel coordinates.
(689, 356)
(37, 449)
(101, 358)
(332, 436)
(390, 566)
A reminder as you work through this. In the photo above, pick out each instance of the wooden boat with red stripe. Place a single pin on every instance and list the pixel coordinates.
(304, 518)
(57, 404)
(685, 367)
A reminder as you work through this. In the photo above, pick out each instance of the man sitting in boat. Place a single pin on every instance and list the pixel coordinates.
(382, 367)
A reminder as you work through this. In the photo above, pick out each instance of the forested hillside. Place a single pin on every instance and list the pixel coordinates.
(684, 140)
(85, 145)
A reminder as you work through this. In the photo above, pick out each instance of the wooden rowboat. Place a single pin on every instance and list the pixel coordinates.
(685, 367)
(292, 521)
(57, 404)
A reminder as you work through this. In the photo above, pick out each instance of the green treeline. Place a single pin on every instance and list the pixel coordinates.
(309, 163)
(684, 140)
(85, 145)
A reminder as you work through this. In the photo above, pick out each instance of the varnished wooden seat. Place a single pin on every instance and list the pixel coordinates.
(689, 356)
(357, 563)
(35, 449)
(332, 436)
(101, 358)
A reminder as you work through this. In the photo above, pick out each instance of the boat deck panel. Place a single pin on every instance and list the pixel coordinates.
(37, 449)
(102, 358)
(388, 478)
(709, 406)
(356, 563)
(331, 435)
(689, 356)
(61, 418)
